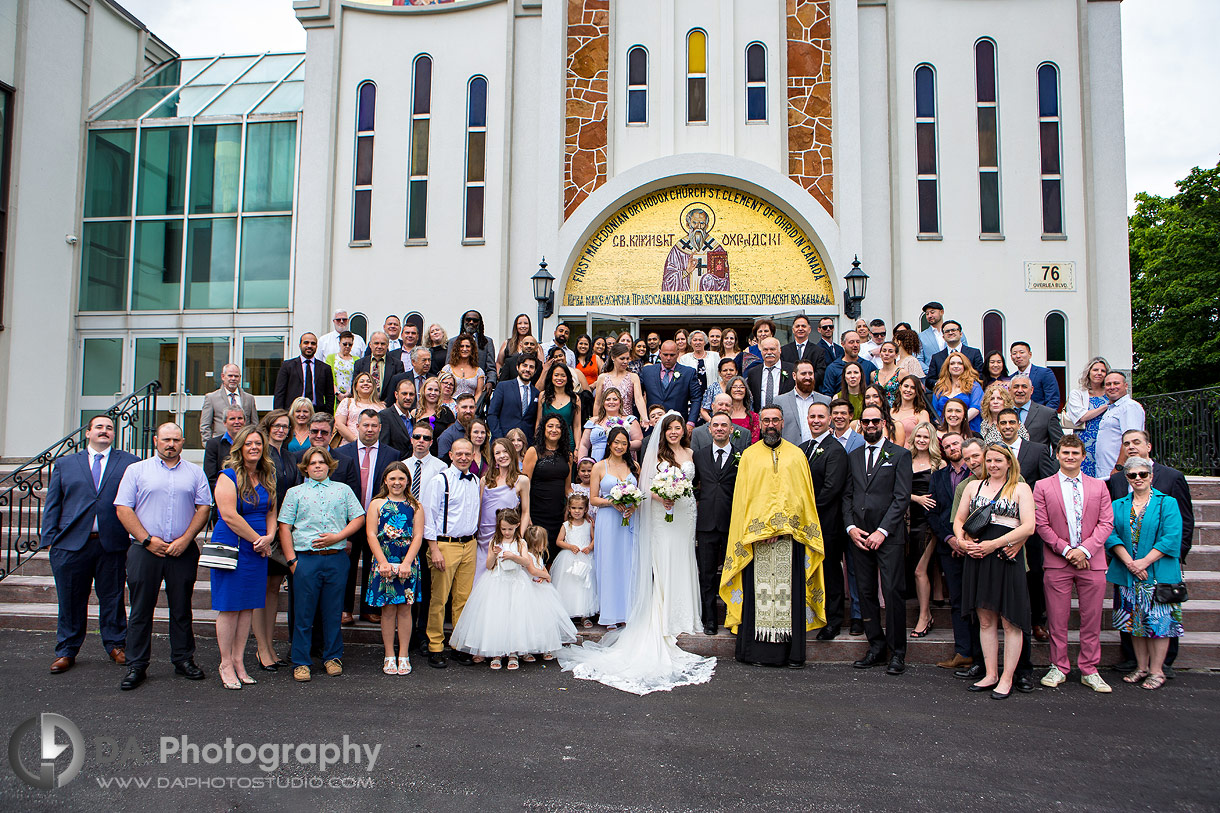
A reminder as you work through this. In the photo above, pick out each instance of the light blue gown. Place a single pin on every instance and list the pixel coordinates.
(613, 556)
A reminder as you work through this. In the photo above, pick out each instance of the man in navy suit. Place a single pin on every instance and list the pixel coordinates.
(826, 342)
(1046, 388)
(88, 543)
(954, 343)
(514, 402)
(672, 385)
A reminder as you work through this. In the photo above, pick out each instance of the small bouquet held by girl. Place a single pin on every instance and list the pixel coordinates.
(625, 495)
(671, 484)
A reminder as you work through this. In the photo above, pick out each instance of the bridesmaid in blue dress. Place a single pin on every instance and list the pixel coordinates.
(613, 542)
(395, 540)
(245, 500)
(609, 414)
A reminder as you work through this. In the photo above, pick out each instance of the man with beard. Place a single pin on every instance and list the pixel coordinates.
(874, 509)
(772, 578)
(683, 261)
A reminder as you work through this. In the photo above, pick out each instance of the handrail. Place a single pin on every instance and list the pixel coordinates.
(21, 490)
(1185, 429)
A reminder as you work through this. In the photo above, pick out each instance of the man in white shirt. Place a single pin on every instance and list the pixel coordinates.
(422, 467)
(796, 403)
(1122, 414)
(393, 331)
(871, 349)
(329, 343)
(451, 518)
(561, 340)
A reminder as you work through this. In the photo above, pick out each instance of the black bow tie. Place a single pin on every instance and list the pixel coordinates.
(466, 476)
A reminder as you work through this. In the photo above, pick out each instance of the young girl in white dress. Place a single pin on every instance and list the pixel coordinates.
(572, 573)
(507, 615)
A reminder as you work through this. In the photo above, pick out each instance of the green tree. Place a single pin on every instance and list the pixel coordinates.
(1175, 286)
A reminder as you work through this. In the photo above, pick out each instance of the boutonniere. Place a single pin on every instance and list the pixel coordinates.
(737, 457)
(821, 450)
(783, 374)
(736, 435)
(677, 375)
(885, 455)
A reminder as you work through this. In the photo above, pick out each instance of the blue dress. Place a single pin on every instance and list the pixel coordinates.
(613, 556)
(395, 527)
(598, 435)
(1088, 435)
(245, 587)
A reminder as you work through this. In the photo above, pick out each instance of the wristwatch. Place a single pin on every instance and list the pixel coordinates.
(147, 541)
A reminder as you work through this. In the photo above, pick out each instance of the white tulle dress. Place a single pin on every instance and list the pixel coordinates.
(573, 576)
(508, 613)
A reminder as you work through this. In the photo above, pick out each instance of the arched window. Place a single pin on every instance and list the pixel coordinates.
(1052, 158)
(989, 137)
(1056, 351)
(927, 178)
(993, 333)
(696, 77)
(756, 82)
(637, 85)
(362, 193)
(359, 324)
(476, 157)
(421, 119)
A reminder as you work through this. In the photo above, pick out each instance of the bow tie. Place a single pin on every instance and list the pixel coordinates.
(466, 476)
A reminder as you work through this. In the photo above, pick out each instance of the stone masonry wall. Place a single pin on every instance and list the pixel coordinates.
(810, 157)
(585, 100)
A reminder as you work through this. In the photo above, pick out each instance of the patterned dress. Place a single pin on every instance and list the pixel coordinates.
(1135, 612)
(395, 527)
(1088, 434)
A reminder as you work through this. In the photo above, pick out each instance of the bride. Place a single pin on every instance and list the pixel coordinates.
(644, 656)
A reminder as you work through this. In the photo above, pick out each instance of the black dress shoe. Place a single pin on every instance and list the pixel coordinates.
(188, 670)
(437, 660)
(1124, 666)
(873, 658)
(1023, 684)
(464, 658)
(828, 633)
(709, 629)
(857, 627)
(897, 666)
(972, 673)
(796, 664)
(134, 677)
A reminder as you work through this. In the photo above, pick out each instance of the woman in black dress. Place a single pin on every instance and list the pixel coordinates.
(993, 577)
(548, 465)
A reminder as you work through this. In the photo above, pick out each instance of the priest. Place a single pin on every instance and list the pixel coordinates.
(772, 578)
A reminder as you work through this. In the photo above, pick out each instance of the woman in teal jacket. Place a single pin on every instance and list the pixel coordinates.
(1145, 546)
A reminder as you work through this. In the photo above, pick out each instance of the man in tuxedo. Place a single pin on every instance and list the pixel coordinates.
(771, 378)
(88, 543)
(702, 436)
(1167, 480)
(672, 385)
(1041, 422)
(230, 394)
(305, 376)
(875, 504)
(514, 402)
(796, 402)
(826, 342)
(395, 419)
(216, 451)
(954, 343)
(380, 365)
(653, 340)
(804, 347)
(1046, 388)
(828, 471)
(1073, 520)
(942, 487)
(715, 476)
(370, 458)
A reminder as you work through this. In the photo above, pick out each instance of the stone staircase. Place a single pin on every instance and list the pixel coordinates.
(28, 602)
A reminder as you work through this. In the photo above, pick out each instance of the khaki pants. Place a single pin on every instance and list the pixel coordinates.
(457, 578)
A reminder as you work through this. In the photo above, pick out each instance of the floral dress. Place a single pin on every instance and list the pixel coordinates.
(1135, 612)
(395, 528)
(1088, 435)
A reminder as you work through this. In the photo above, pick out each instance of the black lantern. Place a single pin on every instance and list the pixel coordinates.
(544, 293)
(853, 294)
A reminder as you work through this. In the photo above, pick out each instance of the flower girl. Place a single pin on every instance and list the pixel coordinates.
(572, 573)
(506, 614)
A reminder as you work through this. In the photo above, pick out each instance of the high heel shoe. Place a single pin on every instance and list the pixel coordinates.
(926, 630)
(235, 685)
(247, 680)
(274, 667)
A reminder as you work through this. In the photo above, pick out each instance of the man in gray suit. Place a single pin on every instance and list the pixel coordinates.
(1041, 422)
(796, 402)
(739, 439)
(230, 394)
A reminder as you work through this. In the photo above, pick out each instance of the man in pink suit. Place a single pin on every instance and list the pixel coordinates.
(1074, 518)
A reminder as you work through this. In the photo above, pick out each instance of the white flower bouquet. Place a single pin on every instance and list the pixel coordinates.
(625, 494)
(671, 484)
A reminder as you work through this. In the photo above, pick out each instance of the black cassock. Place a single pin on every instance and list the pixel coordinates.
(767, 653)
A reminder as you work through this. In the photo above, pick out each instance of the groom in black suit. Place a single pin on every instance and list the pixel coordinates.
(715, 477)
(828, 471)
(874, 509)
(673, 385)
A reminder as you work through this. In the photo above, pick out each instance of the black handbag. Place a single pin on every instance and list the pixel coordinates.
(1169, 593)
(979, 518)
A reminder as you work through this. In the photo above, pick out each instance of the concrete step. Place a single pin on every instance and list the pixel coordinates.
(1206, 510)
(1204, 488)
(1204, 557)
(1207, 533)
(1202, 584)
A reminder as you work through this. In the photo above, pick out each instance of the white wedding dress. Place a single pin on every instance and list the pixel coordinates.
(644, 656)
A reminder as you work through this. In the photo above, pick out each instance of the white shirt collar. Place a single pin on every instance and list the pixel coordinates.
(92, 452)
(823, 436)
(727, 447)
(1063, 478)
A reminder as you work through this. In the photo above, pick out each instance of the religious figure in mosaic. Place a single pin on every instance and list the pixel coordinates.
(697, 262)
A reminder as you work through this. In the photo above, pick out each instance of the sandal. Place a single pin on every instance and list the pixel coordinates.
(548, 656)
(528, 658)
(235, 684)
(477, 659)
(512, 663)
(495, 665)
(1136, 676)
(390, 667)
(1153, 682)
(926, 630)
(404, 666)
(588, 622)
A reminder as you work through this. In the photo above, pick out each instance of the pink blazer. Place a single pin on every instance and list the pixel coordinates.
(1050, 520)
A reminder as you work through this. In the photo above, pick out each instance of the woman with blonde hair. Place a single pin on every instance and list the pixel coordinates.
(301, 413)
(996, 398)
(437, 341)
(957, 379)
(924, 447)
(364, 396)
(1085, 408)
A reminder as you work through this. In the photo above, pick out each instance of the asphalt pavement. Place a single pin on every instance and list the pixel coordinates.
(827, 738)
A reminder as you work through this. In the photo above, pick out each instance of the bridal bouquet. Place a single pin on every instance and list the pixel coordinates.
(625, 494)
(671, 484)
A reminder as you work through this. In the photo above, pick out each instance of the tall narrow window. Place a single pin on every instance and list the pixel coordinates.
(421, 118)
(756, 82)
(989, 137)
(1056, 350)
(362, 196)
(6, 148)
(476, 156)
(696, 77)
(637, 85)
(926, 176)
(993, 333)
(359, 325)
(1052, 159)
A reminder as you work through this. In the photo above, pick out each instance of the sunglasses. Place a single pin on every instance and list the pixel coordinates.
(1138, 475)
(870, 421)
(826, 327)
(337, 319)
(421, 437)
(319, 431)
(880, 335)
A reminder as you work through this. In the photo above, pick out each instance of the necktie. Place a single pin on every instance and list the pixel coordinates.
(375, 369)
(419, 384)
(872, 459)
(1078, 502)
(525, 399)
(364, 473)
(97, 472)
(720, 458)
(769, 396)
(666, 376)
(232, 399)
(415, 480)
(308, 379)
(800, 351)
(1021, 414)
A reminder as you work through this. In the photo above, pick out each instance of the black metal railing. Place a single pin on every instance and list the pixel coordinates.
(22, 490)
(1185, 429)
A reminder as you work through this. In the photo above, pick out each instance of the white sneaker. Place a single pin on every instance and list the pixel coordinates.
(1054, 678)
(1096, 683)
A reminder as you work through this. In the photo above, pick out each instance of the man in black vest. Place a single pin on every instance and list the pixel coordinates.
(715, 477)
